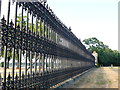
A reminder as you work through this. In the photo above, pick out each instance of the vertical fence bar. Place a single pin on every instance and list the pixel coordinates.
(0, 10)
(41, 27)
(46, 62)
(32, 24)
(8, 16)
(59, 63)
(53, 35)
(5, 57)
(49, 62)
(63, 63)
(20, 63)
(39, 62)
(36, 25)
(26, 52)
(31, 53)
(20, 51)
(52, 62)
(47, 30)
(36, 33)
(26, 63)
(45, 59)
(43, 63)
(31, 62)
(50, 33)
(35, 62)
(5, 47)
(44, 29)
(55, 61)
(16, 14)
(13, 66)
(13, 52)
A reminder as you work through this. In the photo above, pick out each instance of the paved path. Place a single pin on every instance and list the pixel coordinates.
(104, 77)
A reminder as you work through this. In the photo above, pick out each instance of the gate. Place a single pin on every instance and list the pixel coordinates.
(43, 51)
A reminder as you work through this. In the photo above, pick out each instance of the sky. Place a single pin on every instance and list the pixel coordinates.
(87, 18)
(90, 18)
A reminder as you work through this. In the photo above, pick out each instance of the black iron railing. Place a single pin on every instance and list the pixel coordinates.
(46, 51)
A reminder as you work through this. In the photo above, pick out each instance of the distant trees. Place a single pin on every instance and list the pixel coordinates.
(106, 56)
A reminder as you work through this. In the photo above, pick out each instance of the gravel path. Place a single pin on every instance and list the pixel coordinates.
(103, 77)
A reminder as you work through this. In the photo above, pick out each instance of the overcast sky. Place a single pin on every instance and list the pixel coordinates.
(87, 18)
(90, 18)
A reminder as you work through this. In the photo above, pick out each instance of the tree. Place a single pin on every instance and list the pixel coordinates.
(94, 43)
(106, 56)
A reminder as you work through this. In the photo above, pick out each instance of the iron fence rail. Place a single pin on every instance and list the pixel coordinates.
(36, 33)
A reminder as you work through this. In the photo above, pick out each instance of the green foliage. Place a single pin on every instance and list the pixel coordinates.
(9, 54)
(19, 19)
(106, 56)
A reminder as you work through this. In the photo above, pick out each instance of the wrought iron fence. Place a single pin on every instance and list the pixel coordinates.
(50, 51)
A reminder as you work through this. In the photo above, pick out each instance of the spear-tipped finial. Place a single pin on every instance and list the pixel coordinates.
(3, 17)
(11, 23)
(9, 77)
(3, 20)
(18, 26)
(47, 6)
(70, 28)
(23, 74)
(16, 77)
(45, 1)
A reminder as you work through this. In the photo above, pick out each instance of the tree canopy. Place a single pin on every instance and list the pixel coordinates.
(106, 56)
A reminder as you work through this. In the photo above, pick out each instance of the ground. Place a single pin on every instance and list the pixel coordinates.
(103, 77)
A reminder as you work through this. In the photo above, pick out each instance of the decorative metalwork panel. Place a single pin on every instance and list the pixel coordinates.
(43, 51)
